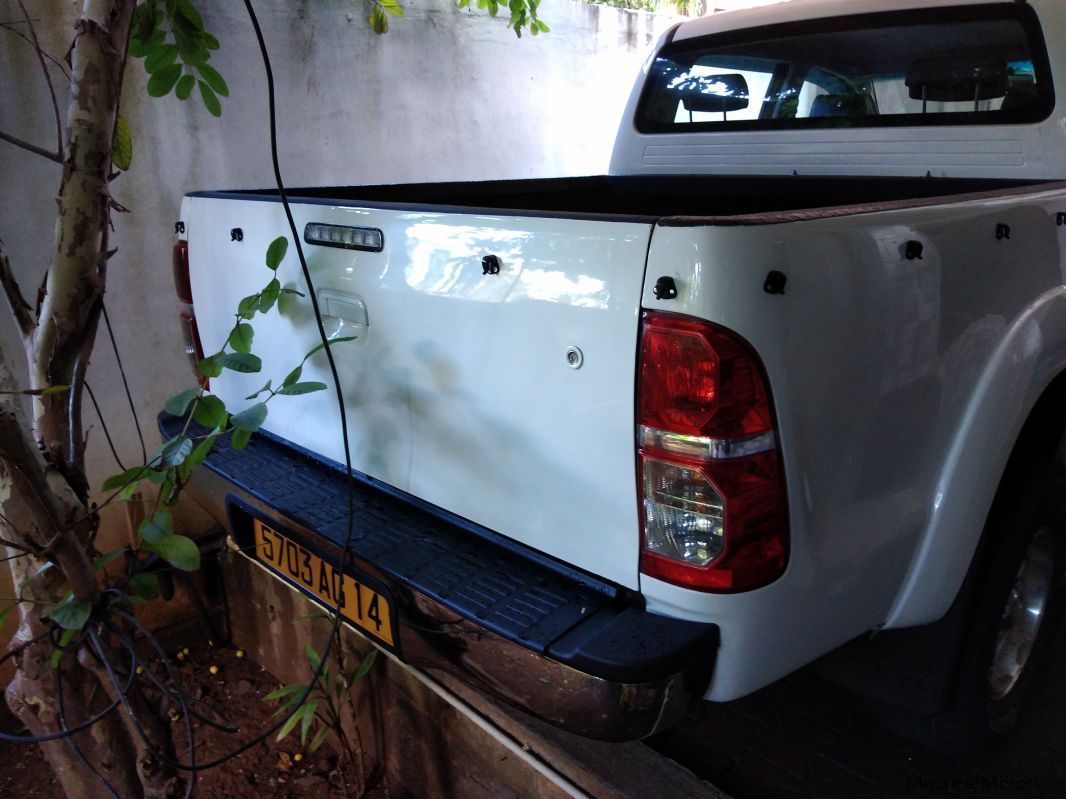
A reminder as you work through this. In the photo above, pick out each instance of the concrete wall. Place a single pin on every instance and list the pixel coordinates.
(447, 94)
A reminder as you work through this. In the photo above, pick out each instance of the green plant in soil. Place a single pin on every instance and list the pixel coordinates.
(321, 713)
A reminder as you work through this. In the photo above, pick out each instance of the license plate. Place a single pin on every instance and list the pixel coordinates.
(364, 607)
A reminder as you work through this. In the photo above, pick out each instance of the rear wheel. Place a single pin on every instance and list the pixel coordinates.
(1013, 619)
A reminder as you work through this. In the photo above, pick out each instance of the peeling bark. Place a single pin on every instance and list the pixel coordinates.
(44, 493)
(38, 510)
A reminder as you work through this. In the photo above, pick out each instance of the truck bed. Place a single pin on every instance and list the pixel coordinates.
(646, 197)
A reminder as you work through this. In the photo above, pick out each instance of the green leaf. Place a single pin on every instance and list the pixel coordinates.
(276, 252)
(292, 376)
(241, 337)
(71, 615)
(210, 42)
(122, 147)
(260, 391)
(203, 449)
(378, 21)
(284, 691)
(210, 411)
(103, 560)
(126, 494)
(185, 10)
(392, 7)
(251, 418)
(269, 295)
(176, 450)
(38, 571)
(128, 477)
(157, 477)
(331, 342)
(365, 665)
(184, 87)
(163, 81)
(248, 306)
(60, 650)
(213, 79)
(160, 56)
(144, 585)
(303, 388)
(138, 48)
(155, 527)
(240, 439)
(308, 711)
(179, 403)
(291, 723)
(312, 657)
(179, 551)
(316, 742)
(241, 362)
(211, 102)
(209, 366)
(52, 390)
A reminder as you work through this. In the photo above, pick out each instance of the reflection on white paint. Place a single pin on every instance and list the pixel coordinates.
(555, 286)
(445, 259)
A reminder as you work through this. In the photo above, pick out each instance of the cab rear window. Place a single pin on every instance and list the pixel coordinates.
(953, 66)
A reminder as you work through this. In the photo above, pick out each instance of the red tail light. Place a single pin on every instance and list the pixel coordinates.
(183, 288)
(713, 504)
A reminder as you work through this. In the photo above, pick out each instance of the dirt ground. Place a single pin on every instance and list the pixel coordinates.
(267, 770)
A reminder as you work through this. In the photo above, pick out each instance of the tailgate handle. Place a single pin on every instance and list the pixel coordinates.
(343, 314)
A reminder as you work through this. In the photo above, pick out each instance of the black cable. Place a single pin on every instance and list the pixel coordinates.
(12, 652)
(186, 716)
(125, 382)
(226, 725)
(74, 744)
(335, 626)
(103, 425)
(55, 736)
(123, 691)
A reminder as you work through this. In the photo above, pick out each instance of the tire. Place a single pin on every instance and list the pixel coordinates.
(1013, 619)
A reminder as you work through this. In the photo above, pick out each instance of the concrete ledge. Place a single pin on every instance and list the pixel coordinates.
(432, 735)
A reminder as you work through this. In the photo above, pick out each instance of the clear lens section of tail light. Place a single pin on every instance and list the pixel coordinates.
(684, 515)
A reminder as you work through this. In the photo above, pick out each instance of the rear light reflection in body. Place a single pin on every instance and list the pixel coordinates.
(713, 504)
(194, 350)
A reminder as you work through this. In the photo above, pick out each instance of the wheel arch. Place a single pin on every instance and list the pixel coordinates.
(1017, 414)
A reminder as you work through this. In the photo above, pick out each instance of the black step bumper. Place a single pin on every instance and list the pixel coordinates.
(571, 649)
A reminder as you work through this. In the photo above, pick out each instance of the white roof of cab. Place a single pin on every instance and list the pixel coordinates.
(798, 10)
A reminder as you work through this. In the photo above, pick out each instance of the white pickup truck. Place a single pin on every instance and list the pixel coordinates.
(790, 381)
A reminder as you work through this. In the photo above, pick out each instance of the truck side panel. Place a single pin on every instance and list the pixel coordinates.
(874, 360)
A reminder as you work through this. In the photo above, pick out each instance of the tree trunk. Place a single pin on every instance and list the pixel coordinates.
(44, 493)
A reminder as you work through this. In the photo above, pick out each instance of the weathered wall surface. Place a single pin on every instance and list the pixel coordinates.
(447, 94)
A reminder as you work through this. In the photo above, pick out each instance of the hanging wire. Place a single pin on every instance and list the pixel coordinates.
(103, 425)
(125, 382)
(99, 649)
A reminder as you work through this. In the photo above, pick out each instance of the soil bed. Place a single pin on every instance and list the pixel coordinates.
(268, 769)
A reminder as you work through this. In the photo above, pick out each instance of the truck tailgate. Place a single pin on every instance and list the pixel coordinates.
(461, 388)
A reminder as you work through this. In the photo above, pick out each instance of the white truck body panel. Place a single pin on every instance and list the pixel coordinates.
(887, 375)
(900, 383)
(459, 391)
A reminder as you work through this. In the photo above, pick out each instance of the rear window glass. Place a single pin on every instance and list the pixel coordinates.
(955, 66)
